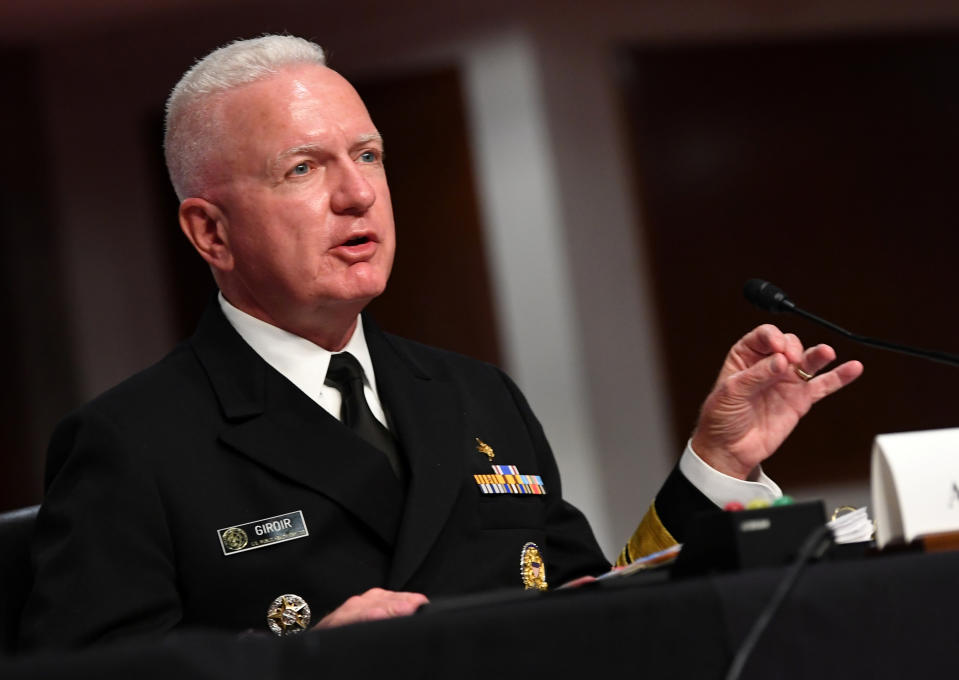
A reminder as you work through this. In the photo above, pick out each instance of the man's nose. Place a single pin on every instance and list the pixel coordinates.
(352, 192)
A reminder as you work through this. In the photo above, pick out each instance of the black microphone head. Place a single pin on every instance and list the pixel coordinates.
(767, 296)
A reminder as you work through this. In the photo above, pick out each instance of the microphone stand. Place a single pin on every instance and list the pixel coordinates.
(776, 301)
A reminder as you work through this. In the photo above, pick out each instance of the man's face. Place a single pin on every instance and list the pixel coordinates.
(299, 177)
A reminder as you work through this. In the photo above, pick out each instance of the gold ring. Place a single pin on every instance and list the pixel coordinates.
(842, 510)
(802, 374)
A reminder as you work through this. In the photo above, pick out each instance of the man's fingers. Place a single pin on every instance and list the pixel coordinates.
(772, 369)
(393, 607)
(827, 383)
(816, 358)
(764, 340)
(404, 604)
(793, 349)
(373, 605)
(752, 348)
(755, 378)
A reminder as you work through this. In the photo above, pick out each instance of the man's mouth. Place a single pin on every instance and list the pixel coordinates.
(357, 241)
(357, 248)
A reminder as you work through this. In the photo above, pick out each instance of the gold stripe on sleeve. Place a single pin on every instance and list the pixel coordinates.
(650, 536)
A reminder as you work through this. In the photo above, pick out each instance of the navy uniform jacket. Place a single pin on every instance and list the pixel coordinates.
(140, 480)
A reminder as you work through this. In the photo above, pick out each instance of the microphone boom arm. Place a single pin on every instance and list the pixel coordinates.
(934, 355)
(772, 299)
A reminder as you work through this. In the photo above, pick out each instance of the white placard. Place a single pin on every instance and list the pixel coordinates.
(915, 484)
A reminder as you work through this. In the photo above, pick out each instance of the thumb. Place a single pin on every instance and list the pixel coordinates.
(758, 377)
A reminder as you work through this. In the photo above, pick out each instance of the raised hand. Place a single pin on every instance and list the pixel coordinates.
(767, 383)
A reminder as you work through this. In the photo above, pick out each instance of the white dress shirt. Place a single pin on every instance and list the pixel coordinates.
(304, 363)
(722, 489)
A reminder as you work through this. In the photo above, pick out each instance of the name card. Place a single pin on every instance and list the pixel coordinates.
(915, 484)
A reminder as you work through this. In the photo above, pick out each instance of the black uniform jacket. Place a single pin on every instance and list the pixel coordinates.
(140, 481)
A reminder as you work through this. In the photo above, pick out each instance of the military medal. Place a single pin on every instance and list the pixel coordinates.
(507, 479)
(288, 615)
(532, 569)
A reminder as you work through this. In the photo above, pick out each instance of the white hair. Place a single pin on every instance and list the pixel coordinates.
(191, 123)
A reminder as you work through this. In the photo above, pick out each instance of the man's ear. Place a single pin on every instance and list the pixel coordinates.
(206, 227)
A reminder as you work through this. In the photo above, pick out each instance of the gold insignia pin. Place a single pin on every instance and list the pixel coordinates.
(235, 538)
(483, 447)
(288, 615)
(532, 569)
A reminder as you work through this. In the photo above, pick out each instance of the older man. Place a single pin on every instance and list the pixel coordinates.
(291, 456)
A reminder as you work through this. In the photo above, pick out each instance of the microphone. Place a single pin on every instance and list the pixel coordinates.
(767, 296)
(771, 298)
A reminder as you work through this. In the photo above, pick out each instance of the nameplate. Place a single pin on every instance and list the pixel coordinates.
(915, 484)
(262, 532)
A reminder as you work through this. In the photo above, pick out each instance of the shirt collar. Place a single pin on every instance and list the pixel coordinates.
(300, 361)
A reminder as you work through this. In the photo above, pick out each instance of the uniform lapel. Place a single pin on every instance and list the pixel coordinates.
(427, 419)
(270, 421)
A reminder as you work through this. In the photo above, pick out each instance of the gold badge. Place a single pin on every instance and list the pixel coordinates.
(483, 447)
(532, 569)
(235, 539)
(288, 615)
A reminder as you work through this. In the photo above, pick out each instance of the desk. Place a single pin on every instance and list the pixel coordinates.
(893, 616)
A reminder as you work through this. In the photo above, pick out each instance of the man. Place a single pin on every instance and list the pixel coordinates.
(219, 488)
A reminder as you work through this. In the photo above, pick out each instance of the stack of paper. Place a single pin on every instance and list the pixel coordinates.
(852, 527)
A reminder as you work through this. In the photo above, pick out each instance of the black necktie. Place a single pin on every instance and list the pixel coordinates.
(346, 375)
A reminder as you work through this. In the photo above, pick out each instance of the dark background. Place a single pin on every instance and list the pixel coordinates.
(827, 167)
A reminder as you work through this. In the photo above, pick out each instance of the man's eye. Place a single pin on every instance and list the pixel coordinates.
(369, 157)
(300, 169)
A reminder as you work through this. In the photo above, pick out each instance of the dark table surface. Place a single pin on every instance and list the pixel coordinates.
(890, 616)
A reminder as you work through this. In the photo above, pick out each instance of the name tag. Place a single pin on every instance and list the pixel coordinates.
(915, 484)
(262, 532)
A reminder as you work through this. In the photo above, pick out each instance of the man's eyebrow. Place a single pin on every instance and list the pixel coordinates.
(369, 137)
(295, 151)
(316, 148)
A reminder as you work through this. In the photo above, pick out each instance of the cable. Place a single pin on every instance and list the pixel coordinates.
(817, 541)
